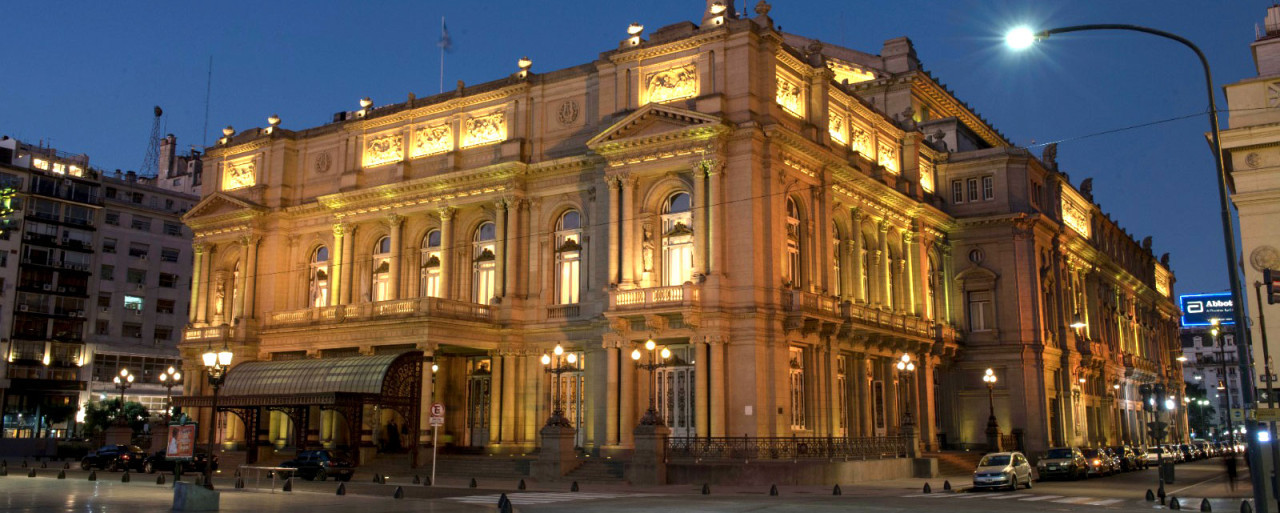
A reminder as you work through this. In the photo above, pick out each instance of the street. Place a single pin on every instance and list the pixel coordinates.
(1123, 492)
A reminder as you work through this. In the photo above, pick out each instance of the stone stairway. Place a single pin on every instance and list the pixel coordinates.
(956, 463)
(594, 470)
(483, 466)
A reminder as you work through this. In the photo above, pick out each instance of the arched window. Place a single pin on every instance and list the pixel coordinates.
(791, 271)
(429, 277)
(836, 278)
(677, 240)
(318, 278)
(381, 270)
(484, 264)
(568, 257)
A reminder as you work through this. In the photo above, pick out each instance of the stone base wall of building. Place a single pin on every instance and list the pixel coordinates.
(766, 473)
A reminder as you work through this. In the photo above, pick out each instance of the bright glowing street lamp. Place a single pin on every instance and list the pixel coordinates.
(570, 364)
(993, 427)
(216, 364)
(1020, 38)
(651, 417)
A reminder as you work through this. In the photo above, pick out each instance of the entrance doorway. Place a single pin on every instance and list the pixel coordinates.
(674, 388)
(479, 381)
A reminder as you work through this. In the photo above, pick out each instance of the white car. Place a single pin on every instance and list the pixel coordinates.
(1003, 469)
(1153, 456)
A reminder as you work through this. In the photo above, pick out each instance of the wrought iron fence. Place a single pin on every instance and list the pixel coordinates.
(786, 448)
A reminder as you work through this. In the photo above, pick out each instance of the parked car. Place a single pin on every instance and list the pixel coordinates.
(158, 462)
(321, 465)
(114, 457)
(1127, 457)
(1001, 469)
(1187, 453)
(1065, 462)
(1153, 456)
(1099, 462)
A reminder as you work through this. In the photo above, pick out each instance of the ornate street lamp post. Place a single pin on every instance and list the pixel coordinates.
(123, 382)
(216, 364)
(993, 427)
(907, 369)
(168, 379)
(657, 360)
(557, 417)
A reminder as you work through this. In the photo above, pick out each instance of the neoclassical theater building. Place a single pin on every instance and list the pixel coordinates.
(790, 219)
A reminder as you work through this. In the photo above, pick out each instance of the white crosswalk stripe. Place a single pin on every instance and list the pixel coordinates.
(1105, 502)
(1073, 500)
(1041, 497)
(1187, 502)
(1006, 495)
(520, 499)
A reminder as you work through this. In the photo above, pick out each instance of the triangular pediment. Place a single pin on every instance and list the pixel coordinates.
(654, 122)
(219, 203)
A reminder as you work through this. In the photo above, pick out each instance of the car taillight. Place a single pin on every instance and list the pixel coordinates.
(1097, 462)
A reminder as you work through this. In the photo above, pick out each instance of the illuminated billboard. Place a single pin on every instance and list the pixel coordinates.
(1201, 309)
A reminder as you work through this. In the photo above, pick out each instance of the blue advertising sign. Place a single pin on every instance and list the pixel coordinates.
(1201, 309)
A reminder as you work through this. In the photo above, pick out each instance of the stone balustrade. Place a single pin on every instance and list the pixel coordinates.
(425, 306)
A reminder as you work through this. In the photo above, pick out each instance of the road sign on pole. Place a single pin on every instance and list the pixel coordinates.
(436, 420)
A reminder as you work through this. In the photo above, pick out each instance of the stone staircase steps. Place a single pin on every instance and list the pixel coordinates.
(599, 471)
(956, 463)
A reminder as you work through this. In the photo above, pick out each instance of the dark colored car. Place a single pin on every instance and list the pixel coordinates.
(1063, 462)
(321, 465)
(1128, 459)
(114, 457)
(157, 462)
(1099, 462)
(1187, 453)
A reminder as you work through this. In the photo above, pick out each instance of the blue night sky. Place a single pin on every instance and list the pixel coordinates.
(84, 76)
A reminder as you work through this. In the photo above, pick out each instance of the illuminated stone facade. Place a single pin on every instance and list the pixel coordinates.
(651, 194)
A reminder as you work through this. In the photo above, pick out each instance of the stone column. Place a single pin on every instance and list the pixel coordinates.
(699, 210)
(428, 397)
(833, 390)
(630, 228)
(713, 216)
(627, 416)
(911, 246)
(199, 283)
(717, 398)
(336, 283)
(884, 263)
(702, 411)
(349, 266)
(925, 401)
(499, 257)
(251, 275)
(945, 282)
(240, 287)
(515, 234)
(900, 292)
(862, 396)
(446, 252)
(396, 224)
(614, 228)
(892, 418)
(509, 409)
(611, 394)
(496, 385)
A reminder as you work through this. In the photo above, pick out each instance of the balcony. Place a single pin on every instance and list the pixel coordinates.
(210, 334)
(413, 307)
(563, 312)
(1135, 364)
(811, 312)
(671, 297)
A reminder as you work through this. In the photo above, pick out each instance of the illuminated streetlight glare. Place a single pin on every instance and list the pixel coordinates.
(1020, 38)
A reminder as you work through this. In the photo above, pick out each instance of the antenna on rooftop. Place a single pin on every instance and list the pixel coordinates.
(151, 162)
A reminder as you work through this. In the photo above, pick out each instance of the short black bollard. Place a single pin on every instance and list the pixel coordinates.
(426, 481)
(574, 487)
(31, 473)
(62, 474)
(237, 472)
(44, 464)
(521, 486)
(1173, 503)
(927, 488)
(66, 466)
(773, 490)
(342, 489)
(836, 491)
(288, 485)
(1151, 496)
(377, 479)
(416, 479)
(93, 475)
(946, 486)
(706, 489)
(124, 478)
(160, 479)
(473, 483)
(399, 493)
(1246, 507)
(24, 463)
(239, 482)
(1204, 505)
(503, 502)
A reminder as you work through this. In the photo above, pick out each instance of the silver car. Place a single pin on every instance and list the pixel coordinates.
(1003, 469)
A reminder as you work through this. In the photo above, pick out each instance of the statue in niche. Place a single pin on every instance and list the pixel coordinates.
(219, 297)
(646, 245)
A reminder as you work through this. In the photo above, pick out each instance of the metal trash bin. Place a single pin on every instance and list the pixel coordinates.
(1166, 472)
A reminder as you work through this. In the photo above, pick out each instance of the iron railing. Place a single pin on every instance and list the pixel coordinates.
(786, 448)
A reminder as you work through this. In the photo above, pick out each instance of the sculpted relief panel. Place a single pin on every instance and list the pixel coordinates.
(860, 141)
(671, 84)
(790, 96)
(926, 175)
(889, 157)
(239, 174)
(1075, 217)
(835, 127)
(486, 129)
(431, 140)
(382, 149)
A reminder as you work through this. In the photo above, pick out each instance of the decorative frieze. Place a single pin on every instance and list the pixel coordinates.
(486, 129)
(431, 140)
(239, 174)
(383, 149)
(888, 157)
(836, 127)
(790, 96)
(926, 175)
(671, 84)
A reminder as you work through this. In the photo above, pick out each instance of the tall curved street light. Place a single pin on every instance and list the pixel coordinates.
(1023, 37)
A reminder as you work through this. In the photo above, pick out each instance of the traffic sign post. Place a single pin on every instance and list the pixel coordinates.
(436, 420)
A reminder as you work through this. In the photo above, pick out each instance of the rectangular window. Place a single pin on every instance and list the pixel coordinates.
(133, 303)
(108, 272)
(164, 306)
(957, 192)
(102, 327)
(137, 277)
(168, 281)
(164, 333)
(137, 197)
(988, 188)
(141, 223)
(113, 218)
(139, 250)
(131, 330)
(111, 192)
(973, 189)
(104, 300)
(108, 245)
(168, 255)
(981, 314)
(174, 229)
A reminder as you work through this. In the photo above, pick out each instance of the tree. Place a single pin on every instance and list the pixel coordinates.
(1199, 418)
(101, 415)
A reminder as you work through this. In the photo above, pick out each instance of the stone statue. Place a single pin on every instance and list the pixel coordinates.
(647, 248)
(1164, 260)
(220, 295)
(1086, 188)
(1050, 156)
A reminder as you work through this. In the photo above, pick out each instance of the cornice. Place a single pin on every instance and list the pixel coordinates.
(225, 151)
(645, 52)
(460, 184)
(793, 63)
(437, 108)
(923, 84)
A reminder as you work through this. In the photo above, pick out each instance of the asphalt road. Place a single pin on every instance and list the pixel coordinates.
(1123, 492)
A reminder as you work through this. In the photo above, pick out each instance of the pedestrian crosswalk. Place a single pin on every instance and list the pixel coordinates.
(527, 498)
(1029, 497)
